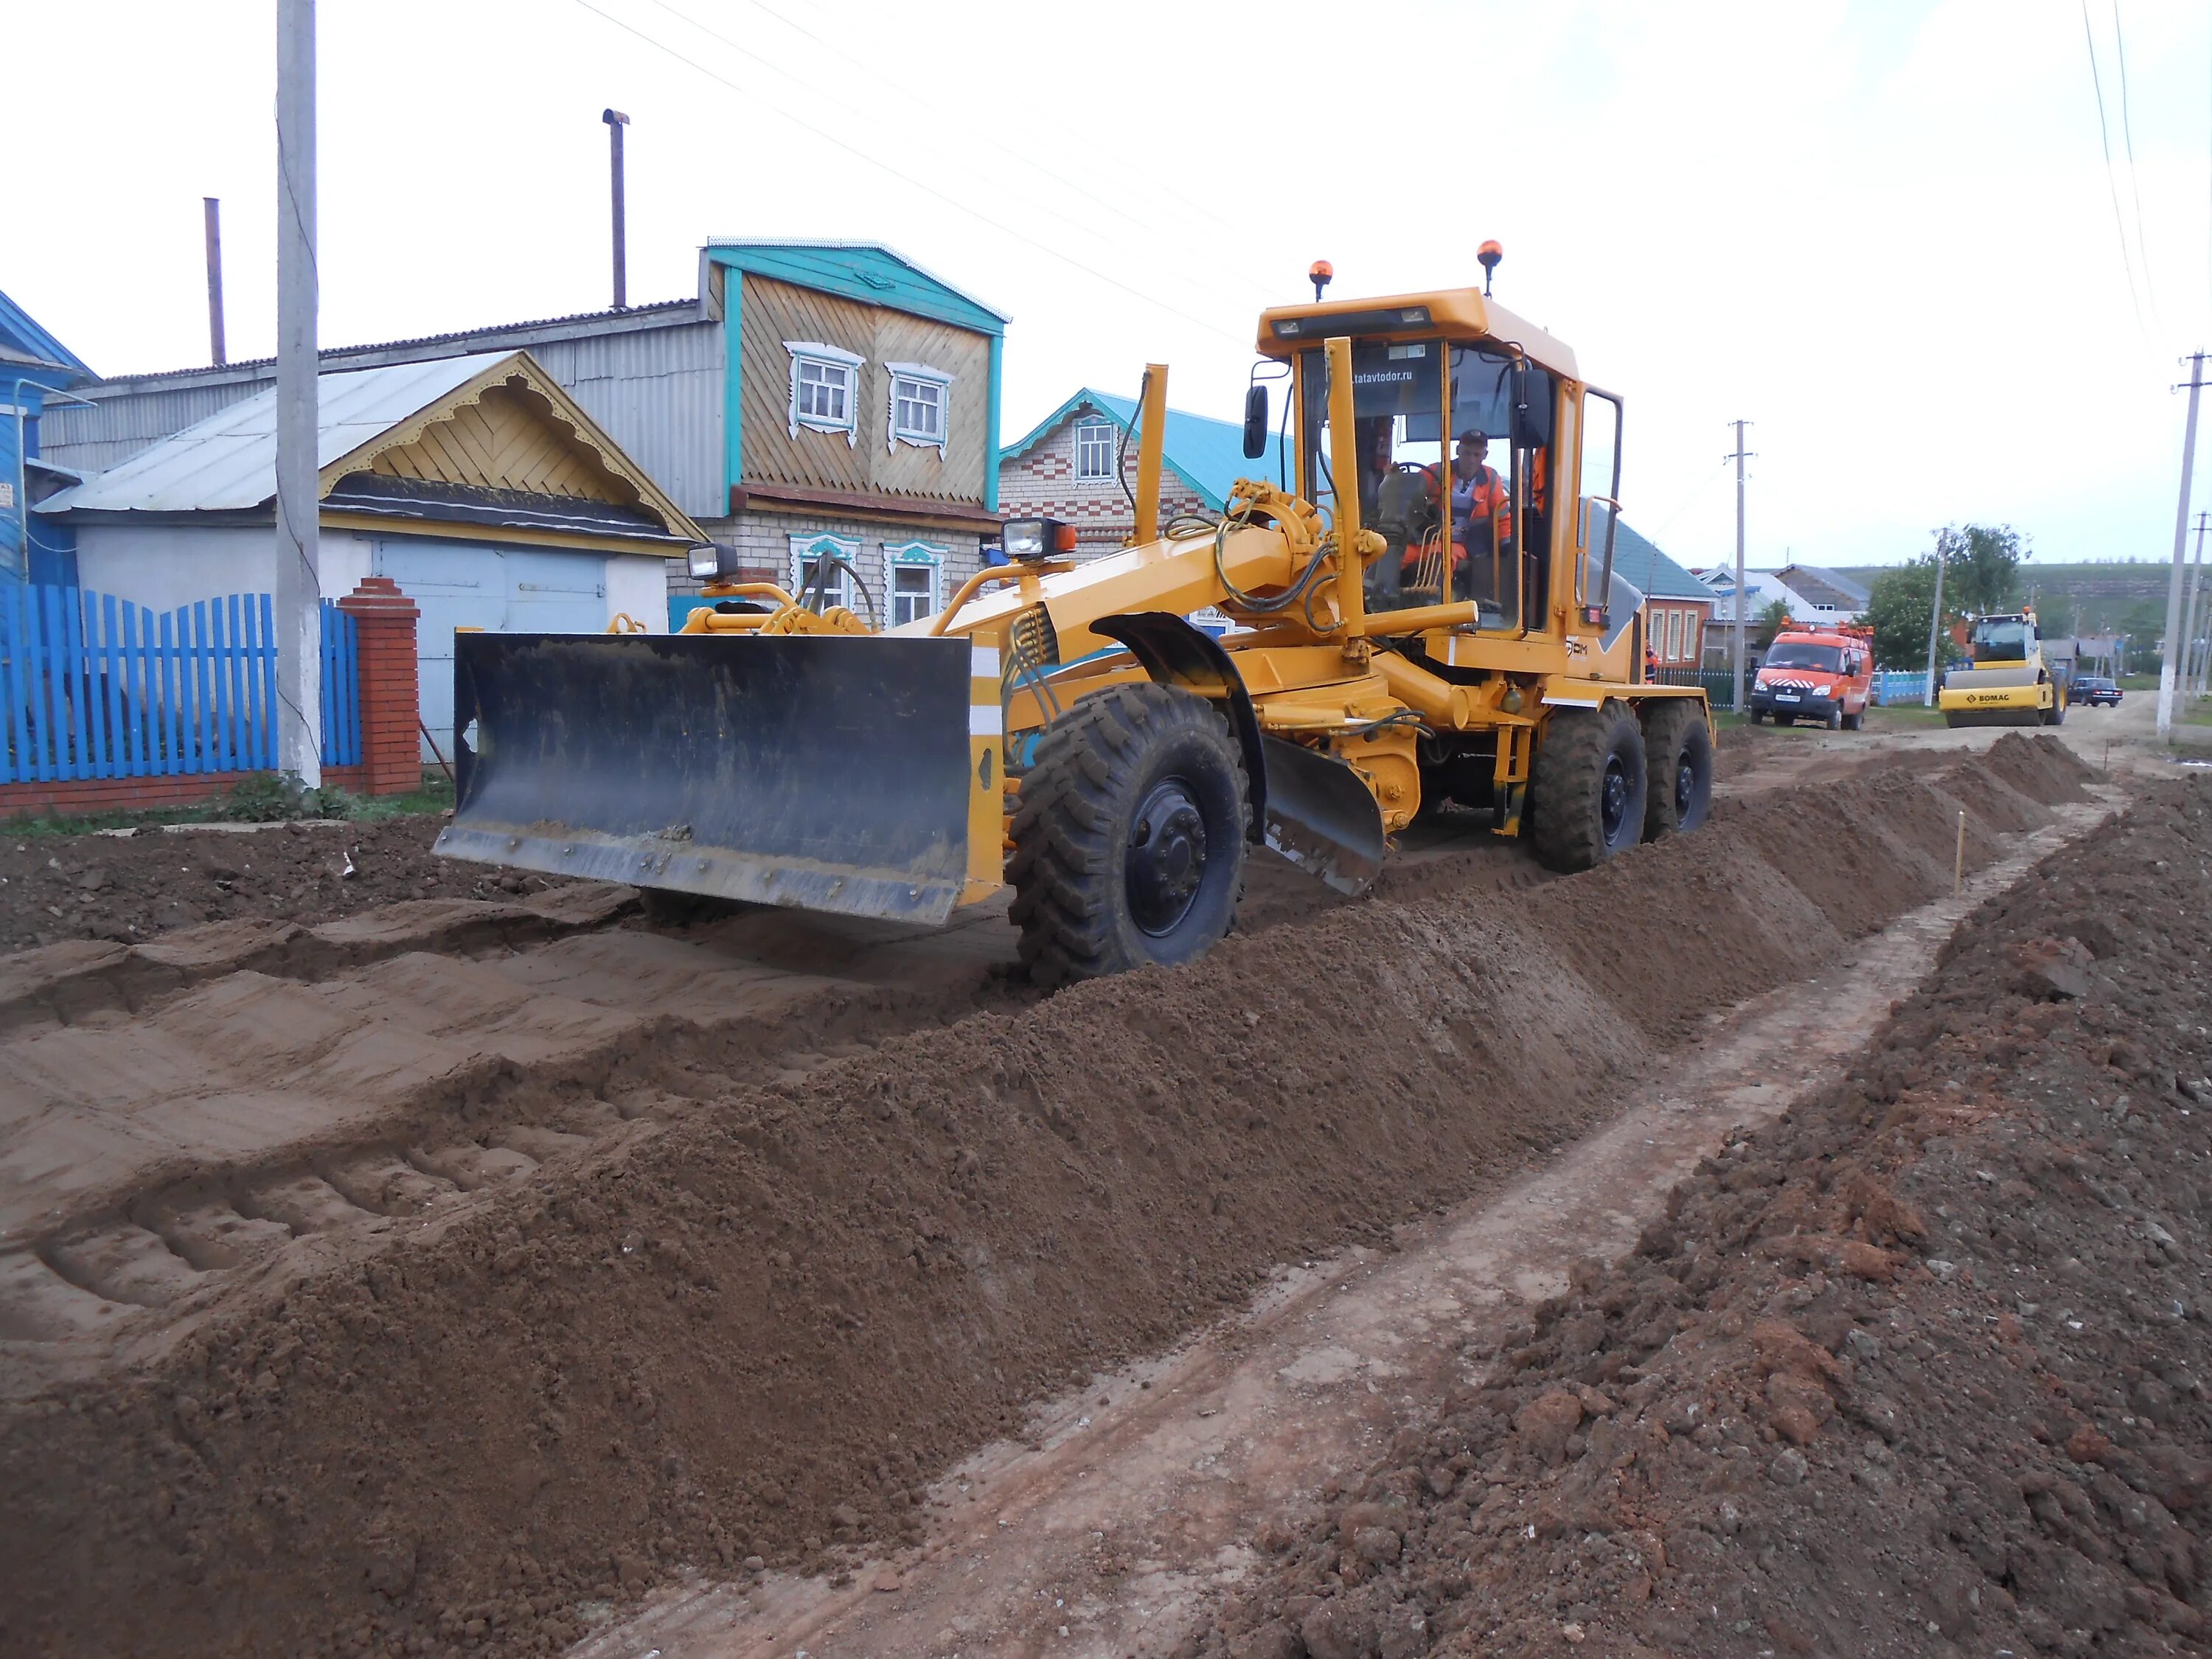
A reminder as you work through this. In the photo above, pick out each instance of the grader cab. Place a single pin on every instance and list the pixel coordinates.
(1426, 612)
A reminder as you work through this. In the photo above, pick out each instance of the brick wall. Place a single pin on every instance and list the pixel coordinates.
(761, 541)
(1041, 480)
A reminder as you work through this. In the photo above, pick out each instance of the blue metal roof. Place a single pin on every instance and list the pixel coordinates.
(1655, 575)
(1206, 454)
(24, 342)
(867, 271)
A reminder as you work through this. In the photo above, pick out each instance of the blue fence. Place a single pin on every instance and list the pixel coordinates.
(1895, 685)
(91, 686)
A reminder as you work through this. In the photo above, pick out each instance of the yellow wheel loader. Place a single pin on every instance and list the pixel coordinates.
(2009, 683)
(1427, 612)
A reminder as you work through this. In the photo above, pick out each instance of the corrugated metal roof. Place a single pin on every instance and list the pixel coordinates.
(1207, 454)
(228, 461)
(252, 368)
(19, 328)
(796, 244)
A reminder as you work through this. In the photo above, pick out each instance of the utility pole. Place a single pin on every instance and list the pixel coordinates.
(2168, 670)
(299, 574)
(1739, 457)
(211, 211)
(2191, 670)
(616, 121)
(1936, 618)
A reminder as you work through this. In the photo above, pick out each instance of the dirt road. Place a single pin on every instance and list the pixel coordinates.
(589, 1258)
(1132, 1503)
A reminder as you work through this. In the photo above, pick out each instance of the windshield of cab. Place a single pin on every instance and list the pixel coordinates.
(1442, 478)
(2001, 641)
(1796, 654)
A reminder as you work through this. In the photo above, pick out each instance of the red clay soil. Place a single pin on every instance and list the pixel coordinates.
(1924, 1368)
(756, 1330)
(131, 889)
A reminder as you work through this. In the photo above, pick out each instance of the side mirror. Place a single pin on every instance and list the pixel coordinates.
(1256, 422)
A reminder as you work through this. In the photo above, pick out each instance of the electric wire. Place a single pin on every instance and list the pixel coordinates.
(1025, 159)
(2135, 179)
(914, 180)
(2111, 178)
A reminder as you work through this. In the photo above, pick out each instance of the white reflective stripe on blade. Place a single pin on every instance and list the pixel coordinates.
(983, 661)
(986, 720)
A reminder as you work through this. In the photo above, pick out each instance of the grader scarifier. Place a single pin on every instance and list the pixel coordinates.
(1409, 627)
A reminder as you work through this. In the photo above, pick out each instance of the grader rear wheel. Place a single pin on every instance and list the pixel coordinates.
(1130, 837)
(1588, 789)
(1679, 787)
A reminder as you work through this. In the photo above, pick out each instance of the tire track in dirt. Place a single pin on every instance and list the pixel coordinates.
(759, 1325)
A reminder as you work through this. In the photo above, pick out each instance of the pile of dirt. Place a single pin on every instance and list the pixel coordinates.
(756, 1330)
(131, 888)
(1924, 1368)
(2042, 766)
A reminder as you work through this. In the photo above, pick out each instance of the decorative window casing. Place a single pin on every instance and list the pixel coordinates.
(918, 408)
(1094, 449)
(913, 577)
(837, 584)
(825, 389)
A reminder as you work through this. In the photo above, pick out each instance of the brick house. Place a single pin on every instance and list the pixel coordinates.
(1066, 468)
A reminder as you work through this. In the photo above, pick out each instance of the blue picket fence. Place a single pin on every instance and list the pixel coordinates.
(93, 686)
(1896, 685)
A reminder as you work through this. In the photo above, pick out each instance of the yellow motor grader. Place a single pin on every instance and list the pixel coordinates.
(1410, 622)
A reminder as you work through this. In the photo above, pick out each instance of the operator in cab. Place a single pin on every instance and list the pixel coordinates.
(1478, 505)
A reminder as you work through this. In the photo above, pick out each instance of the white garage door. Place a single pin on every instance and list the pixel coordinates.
(513, 590)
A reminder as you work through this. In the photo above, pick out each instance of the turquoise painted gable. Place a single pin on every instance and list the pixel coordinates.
(866, 271)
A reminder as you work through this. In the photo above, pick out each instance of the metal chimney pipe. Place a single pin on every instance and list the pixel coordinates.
(616, 121)
(212, 207)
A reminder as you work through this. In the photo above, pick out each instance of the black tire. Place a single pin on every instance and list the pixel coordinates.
(1835, 721)
(1755, 717)
(1587, 790)
(1853, 722)
(1129, 835)
(1678, 794)
(2058, 713)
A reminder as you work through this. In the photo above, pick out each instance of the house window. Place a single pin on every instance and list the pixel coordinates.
(839, 585)
(825, 382)
(914, 574)
(918, 394)
(1674, 636)
(1094, 450)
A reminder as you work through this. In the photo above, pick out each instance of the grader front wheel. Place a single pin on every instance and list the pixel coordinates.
(1129, 836)
(1588, 789)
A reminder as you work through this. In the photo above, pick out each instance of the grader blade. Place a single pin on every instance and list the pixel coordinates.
(1321, 817)
(823, 773)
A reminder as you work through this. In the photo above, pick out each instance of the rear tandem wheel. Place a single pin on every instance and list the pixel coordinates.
(1680, 748)
(1129, 835)
(1588, 788)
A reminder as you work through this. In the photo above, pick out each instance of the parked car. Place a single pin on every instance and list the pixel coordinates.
(2090, 689)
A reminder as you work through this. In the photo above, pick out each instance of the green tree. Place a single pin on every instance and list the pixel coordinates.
(1981, 567)
(1773, 617)
(2055, 616)
(1898, 604)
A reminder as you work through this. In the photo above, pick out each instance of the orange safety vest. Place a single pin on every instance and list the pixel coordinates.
(1486, 503)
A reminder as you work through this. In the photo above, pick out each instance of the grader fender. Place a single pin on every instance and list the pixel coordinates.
(1174, 651)
(820, 772)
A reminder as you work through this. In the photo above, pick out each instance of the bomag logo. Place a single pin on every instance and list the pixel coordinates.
(1989, 696)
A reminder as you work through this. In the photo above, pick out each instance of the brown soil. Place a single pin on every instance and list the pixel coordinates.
(679, 1311)
(131, 888)
(1920, 1369)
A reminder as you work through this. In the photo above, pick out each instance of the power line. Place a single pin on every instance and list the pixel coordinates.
(2104, 131)
(1025, 159)
(2135, 179)
(922, 185)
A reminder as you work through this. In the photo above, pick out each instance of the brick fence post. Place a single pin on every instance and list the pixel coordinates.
(391, 746)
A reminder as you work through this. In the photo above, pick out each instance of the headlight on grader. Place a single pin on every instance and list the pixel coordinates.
(1028, 540)
(706, 561)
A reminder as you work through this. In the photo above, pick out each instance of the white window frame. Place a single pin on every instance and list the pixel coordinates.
(917, 374)
(814, 352)
(912, 555)
(1111, 432)
(1673, 634)
(837, 592)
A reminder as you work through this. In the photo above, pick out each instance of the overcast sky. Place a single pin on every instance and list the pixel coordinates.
(1883, 232)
